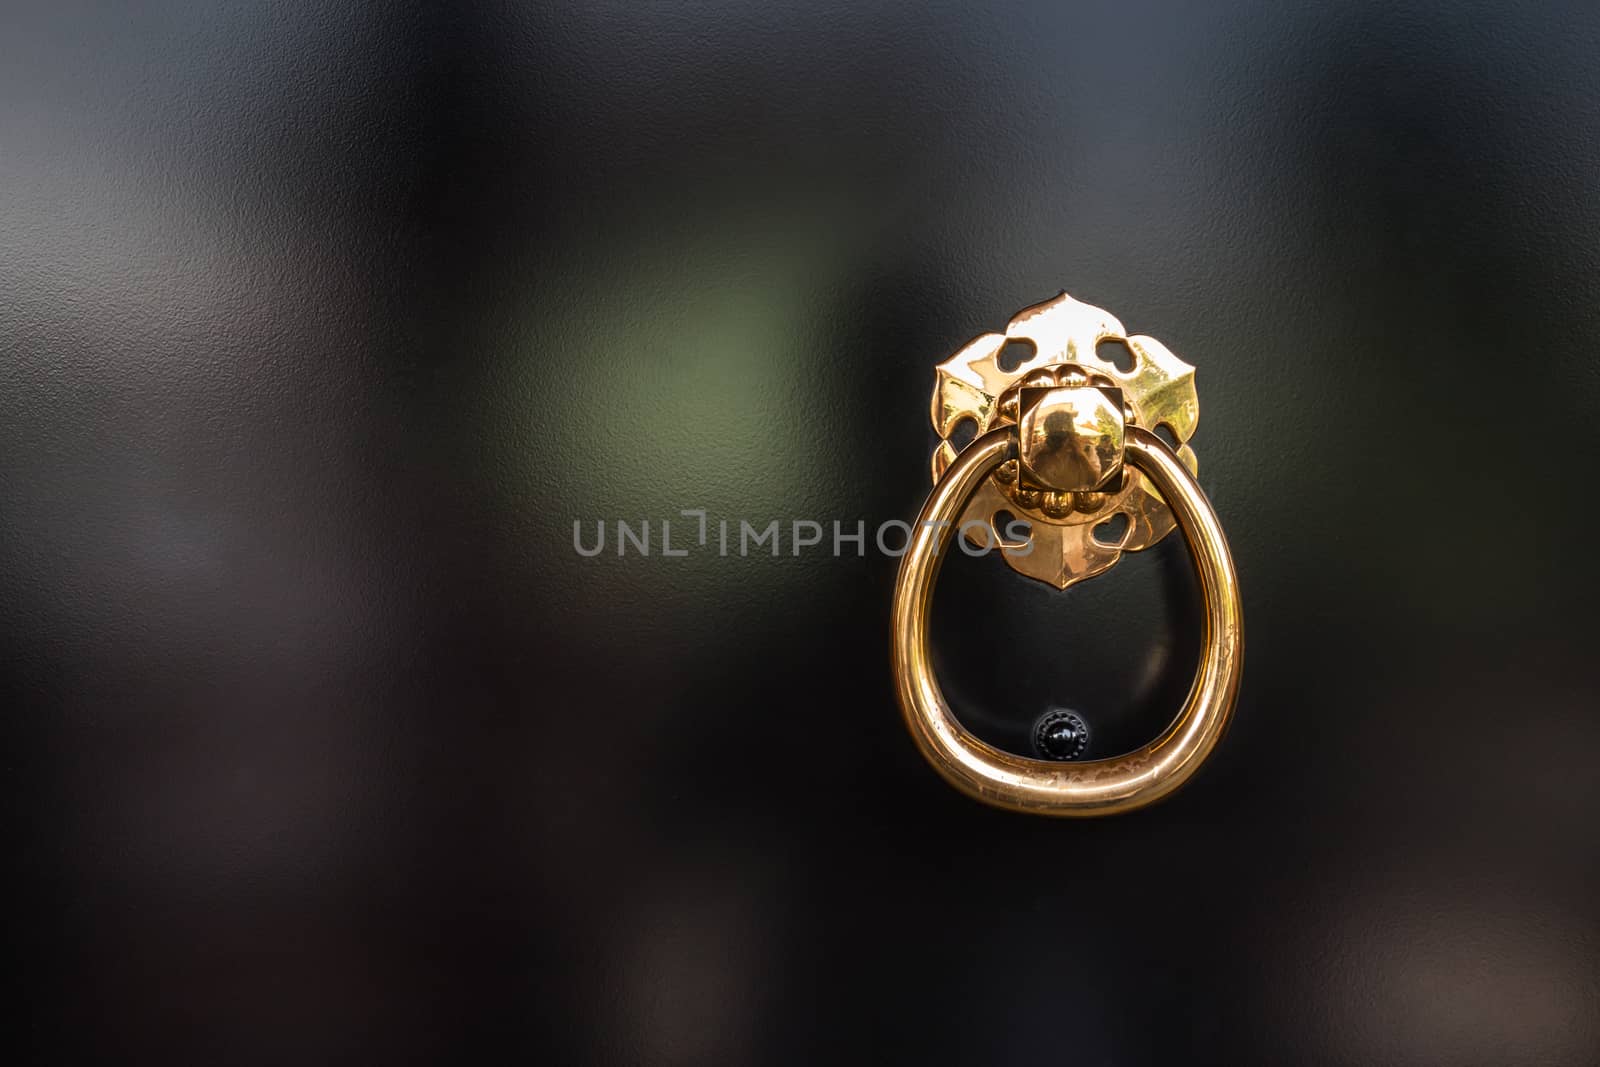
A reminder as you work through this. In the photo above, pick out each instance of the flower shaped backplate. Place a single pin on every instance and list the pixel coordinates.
(1158, 391)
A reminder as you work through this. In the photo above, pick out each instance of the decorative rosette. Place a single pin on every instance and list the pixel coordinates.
(1073, 534)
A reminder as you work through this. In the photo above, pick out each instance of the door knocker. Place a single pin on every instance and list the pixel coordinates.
(1067, 440)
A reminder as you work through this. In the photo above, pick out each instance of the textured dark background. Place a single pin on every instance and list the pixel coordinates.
(321, 323)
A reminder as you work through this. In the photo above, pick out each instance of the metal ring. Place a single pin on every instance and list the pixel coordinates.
(1096, 787)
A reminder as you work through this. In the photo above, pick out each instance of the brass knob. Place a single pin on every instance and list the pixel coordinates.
(1070, 439)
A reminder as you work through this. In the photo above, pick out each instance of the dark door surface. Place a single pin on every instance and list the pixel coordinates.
(321, 325)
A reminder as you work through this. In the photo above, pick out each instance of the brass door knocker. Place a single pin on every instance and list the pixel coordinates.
(1068, 441)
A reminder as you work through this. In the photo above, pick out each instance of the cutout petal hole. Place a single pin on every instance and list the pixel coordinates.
(962, 433)
(1015, 353)
(1117, 353)
(1010, 531)
(1113, 533)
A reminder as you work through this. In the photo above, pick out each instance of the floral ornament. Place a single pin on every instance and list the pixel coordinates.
(1072, 536)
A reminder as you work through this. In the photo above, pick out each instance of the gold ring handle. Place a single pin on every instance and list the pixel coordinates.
(1096, 787)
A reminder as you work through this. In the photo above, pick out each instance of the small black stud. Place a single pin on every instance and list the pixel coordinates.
(1060, 734)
